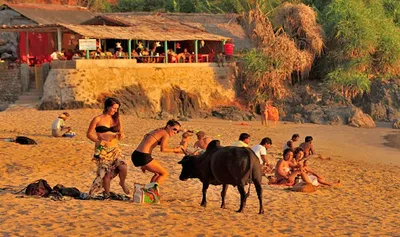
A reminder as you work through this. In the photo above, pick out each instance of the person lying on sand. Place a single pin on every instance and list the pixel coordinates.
(312, 176)
(309, 150)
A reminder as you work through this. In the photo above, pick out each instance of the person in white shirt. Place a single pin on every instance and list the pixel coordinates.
(292, 142)
(58, 128)
(244, 140)
(261, 150)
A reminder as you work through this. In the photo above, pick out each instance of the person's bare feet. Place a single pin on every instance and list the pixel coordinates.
(125, 188)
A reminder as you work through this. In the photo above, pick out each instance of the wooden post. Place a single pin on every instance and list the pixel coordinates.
(87, 54)
(59, 39)
(223, 46)
(196, 50)
(166, 51)
(130, 49)
(27, 47)
(175, 46)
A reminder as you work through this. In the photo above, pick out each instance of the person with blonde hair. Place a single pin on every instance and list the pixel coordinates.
(58, 127)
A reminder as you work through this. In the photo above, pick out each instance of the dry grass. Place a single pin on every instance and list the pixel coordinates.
(292, 48)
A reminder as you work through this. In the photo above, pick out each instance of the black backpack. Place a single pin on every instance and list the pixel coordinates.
(25, 140)
(38, 188)
(70, 191)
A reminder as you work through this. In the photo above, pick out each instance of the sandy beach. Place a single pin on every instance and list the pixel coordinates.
(366, 204)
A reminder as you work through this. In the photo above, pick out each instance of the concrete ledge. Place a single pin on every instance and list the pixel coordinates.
(121, 63)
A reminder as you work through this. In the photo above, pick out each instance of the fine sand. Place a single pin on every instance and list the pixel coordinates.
(366, 204)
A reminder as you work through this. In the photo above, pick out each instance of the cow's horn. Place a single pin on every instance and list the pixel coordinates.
(184, 152)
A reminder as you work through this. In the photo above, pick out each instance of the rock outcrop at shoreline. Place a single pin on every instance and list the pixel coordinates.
(330, 115)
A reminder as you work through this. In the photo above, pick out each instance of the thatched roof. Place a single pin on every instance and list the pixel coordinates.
(120, 32)
(51, 13)
(143, 32)
(225, 25)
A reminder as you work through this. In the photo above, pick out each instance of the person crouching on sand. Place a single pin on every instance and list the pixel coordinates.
(141, 157)
(106, 130)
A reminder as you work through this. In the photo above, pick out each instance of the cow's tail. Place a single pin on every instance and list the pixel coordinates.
(249, 172)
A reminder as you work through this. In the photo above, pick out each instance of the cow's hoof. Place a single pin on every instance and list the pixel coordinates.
(223, 206)
(239, 211)
(261, 211)
(203, 204)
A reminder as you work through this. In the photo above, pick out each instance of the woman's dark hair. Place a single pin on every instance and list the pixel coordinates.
(172, 123)
(287, 151)
(297, 150)
(308, 139)
(109, 102)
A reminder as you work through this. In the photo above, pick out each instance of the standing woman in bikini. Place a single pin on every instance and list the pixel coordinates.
(141, 157)
(106, 130)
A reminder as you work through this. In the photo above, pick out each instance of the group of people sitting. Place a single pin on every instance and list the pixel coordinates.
(293, 165)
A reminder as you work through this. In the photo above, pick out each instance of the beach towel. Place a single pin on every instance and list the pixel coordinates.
(148, 193)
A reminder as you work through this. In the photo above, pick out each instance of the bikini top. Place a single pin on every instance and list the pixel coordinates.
(103, 129)
(158, 141)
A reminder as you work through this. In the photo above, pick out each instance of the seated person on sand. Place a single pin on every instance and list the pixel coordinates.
(185, 140)
(292, 142)
(261, 152)
(283, 173)
(309, 150)
(58, 128)
(202, 140)
(185, 55)
(313, 178)
(244, 140)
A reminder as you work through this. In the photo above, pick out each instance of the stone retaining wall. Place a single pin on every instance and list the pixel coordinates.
(10, 84)
(85, 83)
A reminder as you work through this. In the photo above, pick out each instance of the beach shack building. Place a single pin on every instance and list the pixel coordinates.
(27, 42)
(154, 31)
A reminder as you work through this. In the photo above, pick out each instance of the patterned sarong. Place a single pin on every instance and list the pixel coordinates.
(107, 159)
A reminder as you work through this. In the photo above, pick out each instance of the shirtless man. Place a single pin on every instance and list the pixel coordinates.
(308, 147)
(309, 150)
(202, 141)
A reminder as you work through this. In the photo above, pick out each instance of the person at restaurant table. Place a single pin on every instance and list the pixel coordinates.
(172, 56)
(185, 55)
(120, 53)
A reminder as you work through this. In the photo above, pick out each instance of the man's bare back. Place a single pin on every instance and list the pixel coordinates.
(308, 149)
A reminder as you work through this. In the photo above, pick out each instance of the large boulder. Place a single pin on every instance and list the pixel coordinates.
(396, 123)
(232, 113)
(361, 120)
(178, 102)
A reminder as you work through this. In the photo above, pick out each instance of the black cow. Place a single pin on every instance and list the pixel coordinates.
(224, 165)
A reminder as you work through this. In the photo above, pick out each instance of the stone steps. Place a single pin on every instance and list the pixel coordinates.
(31, 97)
